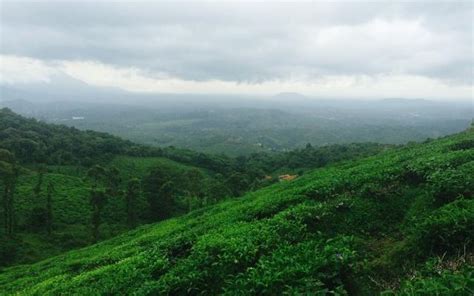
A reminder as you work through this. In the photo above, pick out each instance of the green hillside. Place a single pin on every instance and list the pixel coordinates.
(400, 222)
(54, 161)
(60, 157)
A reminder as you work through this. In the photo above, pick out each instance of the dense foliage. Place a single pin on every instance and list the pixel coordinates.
(400, 222)
(106, 185)
(34, 141)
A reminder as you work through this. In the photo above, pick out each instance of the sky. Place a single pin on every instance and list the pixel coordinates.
(336, 49)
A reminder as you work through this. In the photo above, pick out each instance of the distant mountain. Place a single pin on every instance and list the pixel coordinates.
(406, 101)
(19, 105)
(61, 87)
(290, 96)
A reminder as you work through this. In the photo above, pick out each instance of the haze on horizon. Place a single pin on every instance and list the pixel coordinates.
(338, 49)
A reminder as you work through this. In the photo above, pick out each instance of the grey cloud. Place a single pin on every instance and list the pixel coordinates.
(243, 42)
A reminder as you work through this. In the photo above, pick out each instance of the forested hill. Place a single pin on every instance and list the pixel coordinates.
(63, 188)
(37, 142)
(400, 222)
(34, 141)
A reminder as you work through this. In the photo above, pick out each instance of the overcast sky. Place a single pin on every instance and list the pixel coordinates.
(322, 49)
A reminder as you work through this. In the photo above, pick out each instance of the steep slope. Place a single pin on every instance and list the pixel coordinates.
(402, 220)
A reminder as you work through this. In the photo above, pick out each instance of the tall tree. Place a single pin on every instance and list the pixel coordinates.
(133, 192)
(160, 192)
(9, 172)
(164, 208)
(113, 181)
(9, 177)
(49, 208)
(9, 194)
(194, 184)
(97, 174)
(97, 201)
(39, 182)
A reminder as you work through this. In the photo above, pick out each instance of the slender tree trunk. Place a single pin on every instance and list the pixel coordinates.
(8, 210)
(5, 207)
(49, 210)
(37, 189)
(96, 224)
(10, 205)
(10, 214)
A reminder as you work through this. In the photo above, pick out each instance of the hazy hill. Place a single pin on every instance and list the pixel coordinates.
(233, 126)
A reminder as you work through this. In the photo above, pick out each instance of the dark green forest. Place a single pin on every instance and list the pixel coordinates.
(88, 213)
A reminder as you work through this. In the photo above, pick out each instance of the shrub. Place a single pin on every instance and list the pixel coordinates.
(448, 229)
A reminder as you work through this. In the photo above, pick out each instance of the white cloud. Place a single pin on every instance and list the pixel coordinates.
(15, 69)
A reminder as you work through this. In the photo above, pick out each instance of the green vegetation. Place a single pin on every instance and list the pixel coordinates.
(130, 166)
(400, 222)
(51, 204)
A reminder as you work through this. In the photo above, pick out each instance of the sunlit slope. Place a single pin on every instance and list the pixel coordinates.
(358, 228)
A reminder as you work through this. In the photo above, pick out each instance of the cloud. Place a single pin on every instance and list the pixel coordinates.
(136, 80)
(347, 86)
(24, 70)
(229, 46)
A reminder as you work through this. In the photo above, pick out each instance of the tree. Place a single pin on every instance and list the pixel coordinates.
(165, 208)
(113, 180)
(97, 201)
(9, 172)
(39, 183)
(194, 186)
(49, 208)
(160, 192)
(97, 174)
(132, 195)
(237, 183)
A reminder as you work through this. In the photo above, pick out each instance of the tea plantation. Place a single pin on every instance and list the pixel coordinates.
(398, 223)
